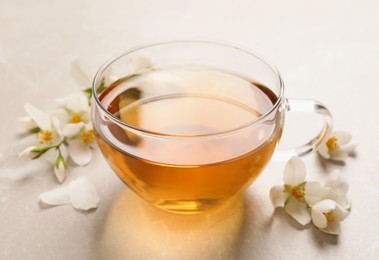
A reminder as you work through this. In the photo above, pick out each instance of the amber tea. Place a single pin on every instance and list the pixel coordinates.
(187, 168)
(189, 125)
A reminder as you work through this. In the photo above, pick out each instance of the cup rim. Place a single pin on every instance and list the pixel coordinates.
(118, 121)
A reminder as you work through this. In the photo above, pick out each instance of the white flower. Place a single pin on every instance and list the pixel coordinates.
(76, 109)
(78, 130)
(45, 127)
(326, 205)
(293, 196)
(50, 139)
(327, 215)
(46, 130)
(337, 146)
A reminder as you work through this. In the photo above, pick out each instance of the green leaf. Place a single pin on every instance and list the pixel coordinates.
(301, 185)
(40, 150)
(101, 87)
(88, 91)
(60, 159)
(288, 188)
(35, 130)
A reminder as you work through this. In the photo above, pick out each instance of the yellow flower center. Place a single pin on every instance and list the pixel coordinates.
(45, 136)
(332, 144)
(298, 193)
(329, 216)
(87, 137)
(76, 118)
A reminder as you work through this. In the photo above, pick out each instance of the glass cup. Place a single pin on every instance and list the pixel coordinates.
(188, 125)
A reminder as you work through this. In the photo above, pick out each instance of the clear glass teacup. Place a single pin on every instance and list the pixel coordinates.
(189, 125)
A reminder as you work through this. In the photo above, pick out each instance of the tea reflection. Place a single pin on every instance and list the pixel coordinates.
(134, 229)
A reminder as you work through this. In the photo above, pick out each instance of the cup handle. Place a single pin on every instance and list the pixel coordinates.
(307, 106)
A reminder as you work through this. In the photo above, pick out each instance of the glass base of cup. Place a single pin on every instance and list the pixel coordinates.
(192, 206)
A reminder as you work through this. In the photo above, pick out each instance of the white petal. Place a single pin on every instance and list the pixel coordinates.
(319, 219)
(318, 210)
(64, 152)
(71, 130)
(51, 156)
(60, 172)
(340, 214)
(333, 228)
(79, 152)
(314, 192)
(89, 126)
(339, 155)
(349, 148)
(342, 137)
(278, 196)
(81, 74)
(40, 118)
(27, 153)
(338, 196)
(27, 122)
(298, 211)
(56, 127)
(141, 62)
(55, 197)
(77, 102)
(83, 194)
(325, 206)
(61, 114)
(294, 172)
(336, 181)
(323, 151)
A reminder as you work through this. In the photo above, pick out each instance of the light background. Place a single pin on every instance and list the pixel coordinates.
(325, 50)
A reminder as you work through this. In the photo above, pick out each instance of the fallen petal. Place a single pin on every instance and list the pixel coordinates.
(56, 197)
(83, 194)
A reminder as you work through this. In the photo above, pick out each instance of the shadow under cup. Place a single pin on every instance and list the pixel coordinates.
(187, 125)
